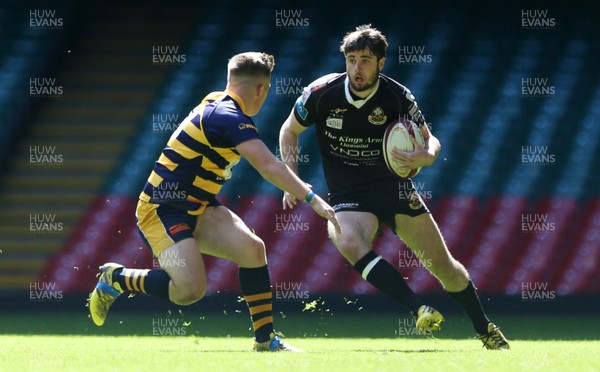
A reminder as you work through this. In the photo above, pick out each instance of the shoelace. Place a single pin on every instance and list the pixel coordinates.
(494, 337)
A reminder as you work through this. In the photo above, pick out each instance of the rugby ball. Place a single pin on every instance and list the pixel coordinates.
(397, 135)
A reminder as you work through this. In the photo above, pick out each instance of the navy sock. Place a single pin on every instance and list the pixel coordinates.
(383, 276)
(469, 301)
(152, 282)
(256, 288)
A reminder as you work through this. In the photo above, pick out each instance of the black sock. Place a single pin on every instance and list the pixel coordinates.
(388, 280)
(152, 282)
(256, 288)
(469, 300)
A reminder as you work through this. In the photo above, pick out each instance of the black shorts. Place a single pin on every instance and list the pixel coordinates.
(384, 200)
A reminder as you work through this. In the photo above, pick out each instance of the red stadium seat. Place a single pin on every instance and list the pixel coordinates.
(544, 229)
(494, 241)
(108, 233)
(98, 235)
(580, 269)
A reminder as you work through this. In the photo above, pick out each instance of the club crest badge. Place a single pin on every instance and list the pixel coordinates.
(414, 200)
(377, 116)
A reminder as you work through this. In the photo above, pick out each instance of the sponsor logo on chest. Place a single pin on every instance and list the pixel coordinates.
(335, 119)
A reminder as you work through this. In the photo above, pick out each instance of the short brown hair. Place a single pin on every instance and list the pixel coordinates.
(251, 64)
(363, 37)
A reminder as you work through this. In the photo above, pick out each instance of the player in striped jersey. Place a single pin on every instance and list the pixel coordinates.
(180, 219)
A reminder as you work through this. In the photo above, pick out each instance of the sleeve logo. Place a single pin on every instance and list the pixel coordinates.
(302, 111)
(247, 126)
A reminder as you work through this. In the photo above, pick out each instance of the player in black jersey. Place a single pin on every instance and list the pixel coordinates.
(351, 111)
(180, 219)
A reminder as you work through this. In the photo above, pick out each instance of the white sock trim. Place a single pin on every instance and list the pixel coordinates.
(370, 267)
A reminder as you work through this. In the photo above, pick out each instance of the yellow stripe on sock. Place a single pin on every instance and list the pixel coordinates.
(128, 279)
(261, 322)
(136, 276)
(260, 296)
(143, 279)
(260, 308)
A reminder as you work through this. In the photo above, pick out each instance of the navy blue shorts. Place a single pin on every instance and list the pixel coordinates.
(162, 225)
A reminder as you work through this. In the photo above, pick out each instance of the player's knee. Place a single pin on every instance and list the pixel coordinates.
(189, 294)
(257, 255)
(352, 247)
(252, 254)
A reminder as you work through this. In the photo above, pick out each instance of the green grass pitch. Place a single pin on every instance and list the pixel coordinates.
(332, 342)
(137, 353)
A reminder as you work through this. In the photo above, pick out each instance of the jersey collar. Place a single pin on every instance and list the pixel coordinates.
(358, 103)
(237, 100)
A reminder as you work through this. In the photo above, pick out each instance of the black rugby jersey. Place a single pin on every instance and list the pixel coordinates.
(350, 132)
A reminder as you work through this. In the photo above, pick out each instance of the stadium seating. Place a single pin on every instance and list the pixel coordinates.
(481, 188)
(88, 127)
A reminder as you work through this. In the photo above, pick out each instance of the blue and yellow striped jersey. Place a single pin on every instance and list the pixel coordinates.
(200, 154)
